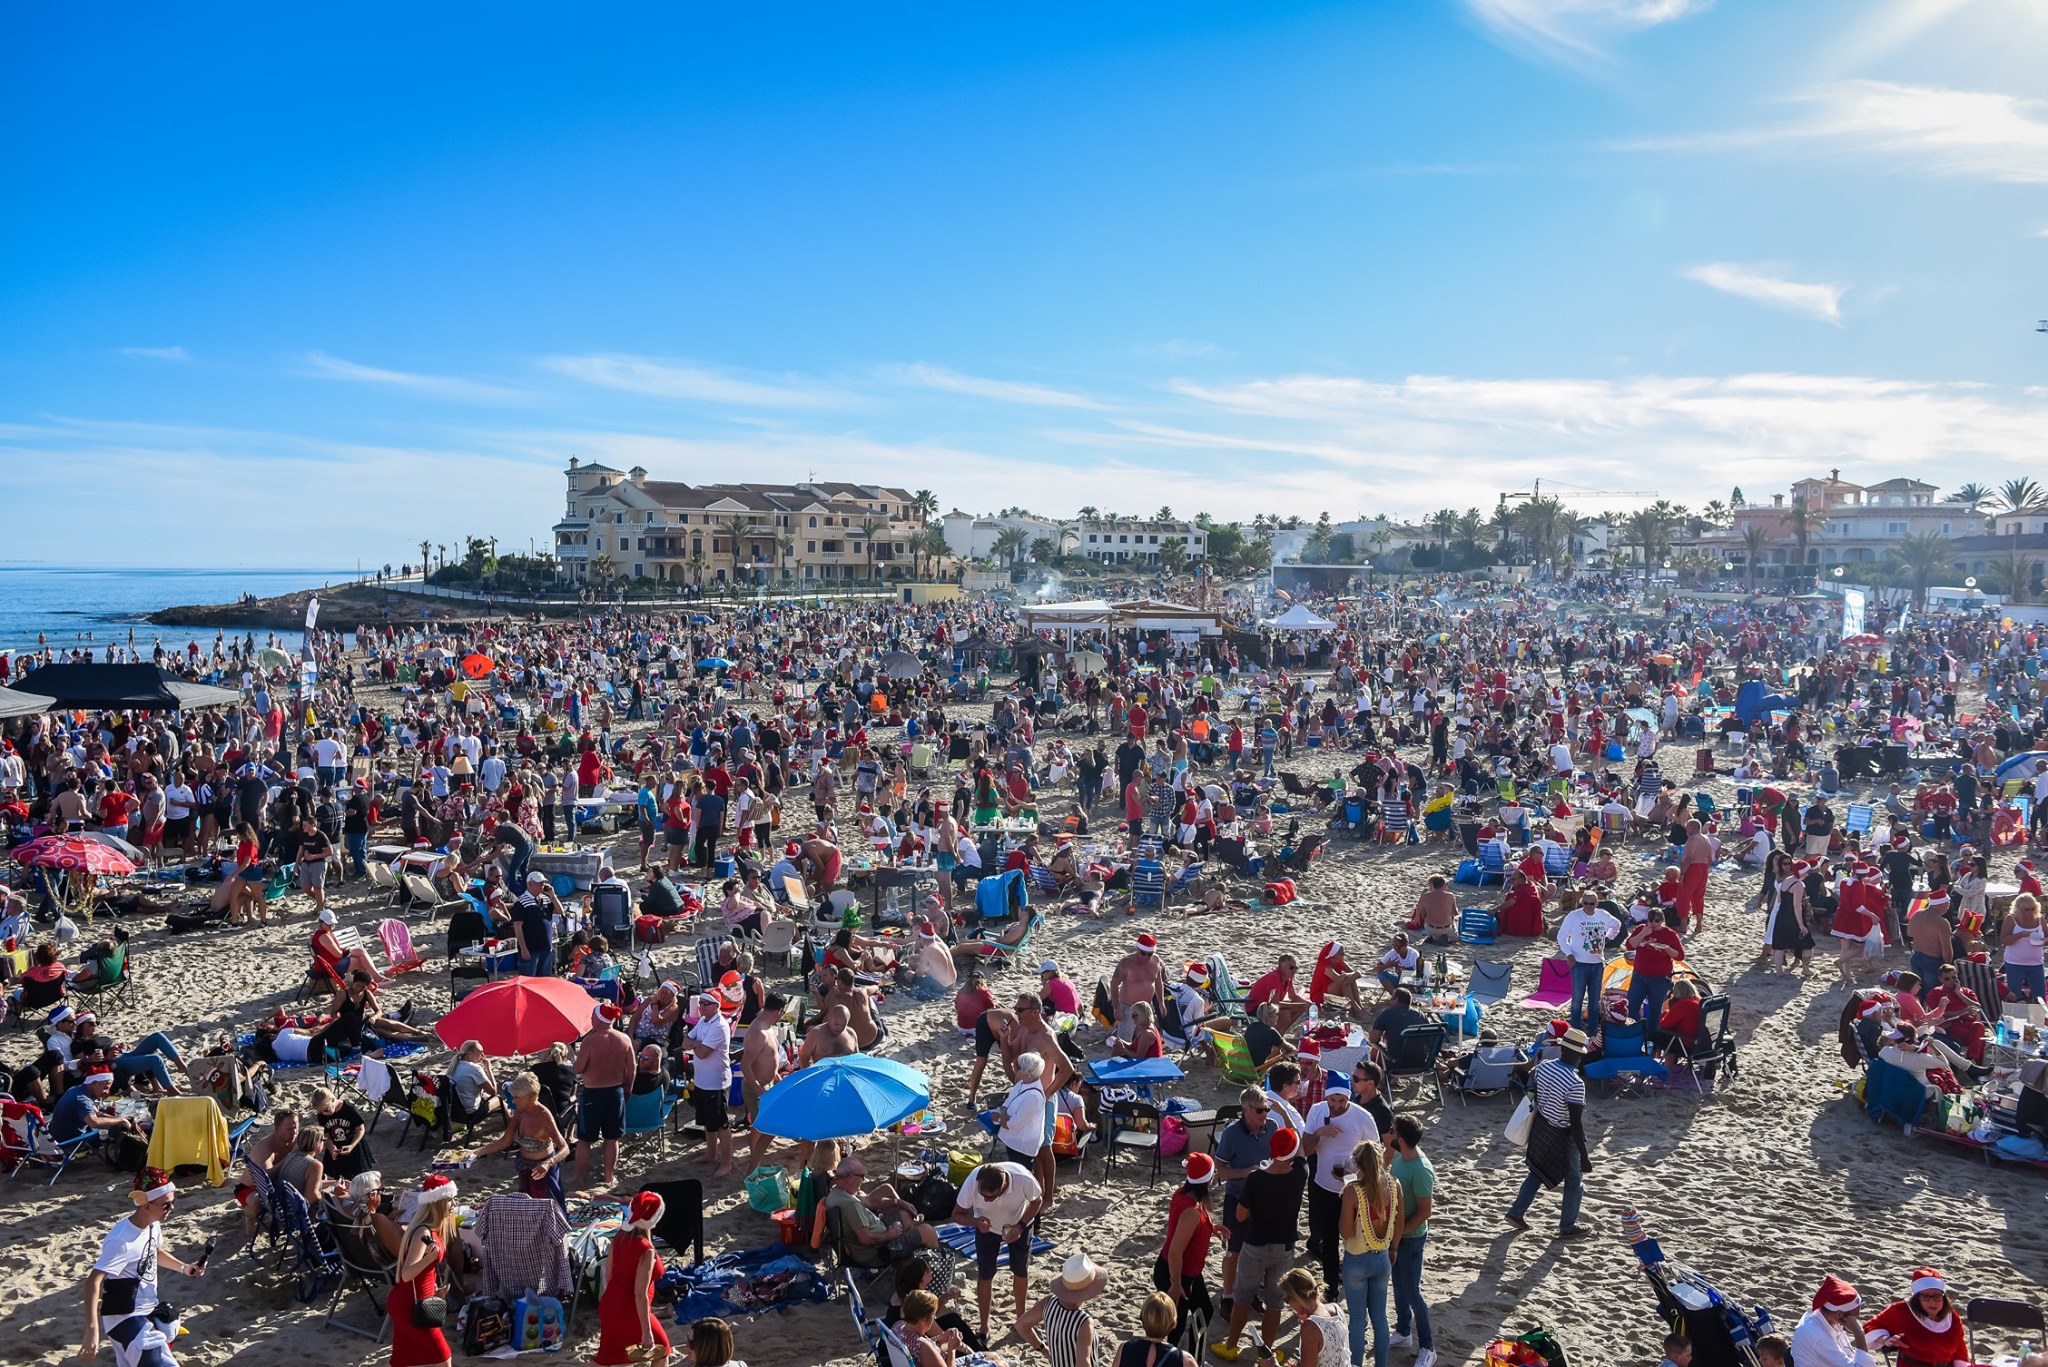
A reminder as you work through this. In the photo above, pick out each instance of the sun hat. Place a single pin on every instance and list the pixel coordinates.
(1078, 1271)
(1049, 966)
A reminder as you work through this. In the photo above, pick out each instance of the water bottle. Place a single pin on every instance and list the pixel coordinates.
(1315, 1019)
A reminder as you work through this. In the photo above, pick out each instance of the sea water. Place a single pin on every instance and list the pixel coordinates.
(64, 603)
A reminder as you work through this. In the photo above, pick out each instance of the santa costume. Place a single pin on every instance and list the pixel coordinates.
(1818, 1341)
(1921, 1340)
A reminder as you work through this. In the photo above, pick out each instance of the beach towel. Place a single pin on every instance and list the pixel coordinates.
(960, 1238)
(1553, 989)
(190, 1132)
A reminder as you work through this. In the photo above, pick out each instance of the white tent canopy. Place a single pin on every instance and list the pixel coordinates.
(1299, 618)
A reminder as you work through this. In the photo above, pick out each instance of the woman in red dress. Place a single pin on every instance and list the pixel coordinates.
(627, 1329)
(426, 1242)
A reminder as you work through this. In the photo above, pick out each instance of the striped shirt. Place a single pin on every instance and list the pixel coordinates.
(1558, 1088)
(1062, 1327)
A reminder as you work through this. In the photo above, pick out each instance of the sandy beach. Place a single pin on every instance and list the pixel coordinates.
(1764, 1185)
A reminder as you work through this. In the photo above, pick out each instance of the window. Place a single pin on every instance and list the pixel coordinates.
(718, 545)
(1894, 529)
(810, 548)
(1091, 536)
(696, 545)
(814, 522)
(1122, 539)
(639, 570)
(1155, 540)
(643, 543)
(833, 547)
(1944, 529)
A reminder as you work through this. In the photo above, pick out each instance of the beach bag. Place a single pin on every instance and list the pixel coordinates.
(959, 1165)
(1173, 1136)
(650, 930)
(1518, 1124)
(126, 1152)
(934, 1198)
(768, 1189)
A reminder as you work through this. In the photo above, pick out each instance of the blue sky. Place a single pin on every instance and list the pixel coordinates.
(309, 285)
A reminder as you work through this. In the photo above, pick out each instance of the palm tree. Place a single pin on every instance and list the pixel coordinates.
(1444, 521)
(1649, 530)
(1802, 520)
(924, 505)
(932, 543)
(1971, 496)
(2011, 574)
(1009, 541)
(426, 554)
(442, 550)
(1715, 514)
(697, 570)
(1918, 557)
(2020, 497)
(1165, 514)
(604, 567)
(869, 526)
(785, 547)
(1471, 527)
(1044, 550)
(1756, 544)
(1318, 543)
(735, 528)
(1088, 511)
(1173, 554)
(1256, 555)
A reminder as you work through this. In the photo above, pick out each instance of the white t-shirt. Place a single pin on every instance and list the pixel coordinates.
(712, 1072)
(131, 1252)
(1576, 934)
(1402, 963)
(327, 752)
(1005, 1210)
(290, 1046)
(470, 1082)
(1025, 1130)
(1561, 758)
(177, 802)
(1356, 1126)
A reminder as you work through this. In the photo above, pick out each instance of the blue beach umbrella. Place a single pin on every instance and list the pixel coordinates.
(715, 662)
(842, 1098)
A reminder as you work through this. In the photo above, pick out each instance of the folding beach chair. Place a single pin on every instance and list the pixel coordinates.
(1490, 1072)
(1148, 883)
(364, 1273)
(1557, 861)
(1235, 1059)
(1624, 1053)
(1489, 983)
(1982, 981)
(1413, 1053)
(397, 939)
(707, 953)
(1711, 1051)
(1181, 881)
(1553, 988)
(1857, 820)
(1493, 862)
(1224, 991)
(385, 881)
(1477, 926)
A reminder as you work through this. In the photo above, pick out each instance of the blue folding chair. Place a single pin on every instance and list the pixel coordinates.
(1477, 926)
(1557, 862)
(1857, 821)
(1493, 863)
(1625, 1053)
(648, 1113)
(1148, 883)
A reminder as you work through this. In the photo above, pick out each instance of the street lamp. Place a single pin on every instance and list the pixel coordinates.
(1837, 571)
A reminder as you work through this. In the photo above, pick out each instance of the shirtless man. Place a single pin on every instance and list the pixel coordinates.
(859, 1003)
(1138, 978)
(1436, 913)
(996, 1028)
(821, 864)
(1034, 1036)
(831, 1037)
(760, 1066)
(66, 808)
(1693, 864)
(946, 853)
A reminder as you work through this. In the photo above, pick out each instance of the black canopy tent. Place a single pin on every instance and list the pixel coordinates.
(15, 703)
(110, 686)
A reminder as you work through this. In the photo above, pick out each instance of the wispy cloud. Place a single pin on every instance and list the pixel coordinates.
(703, 384)
(1003, 391)
(1574, 32)
(158, 353)
(323, 366)
(1181, 349)
(1818, 301)
(1882, 27)
(1980, 134)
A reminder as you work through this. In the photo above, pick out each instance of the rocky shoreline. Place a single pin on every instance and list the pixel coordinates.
(341, 607)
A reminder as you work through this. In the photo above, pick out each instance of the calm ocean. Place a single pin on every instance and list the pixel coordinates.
(65, 603)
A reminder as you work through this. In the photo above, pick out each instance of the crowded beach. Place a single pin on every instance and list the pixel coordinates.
(1426, 976)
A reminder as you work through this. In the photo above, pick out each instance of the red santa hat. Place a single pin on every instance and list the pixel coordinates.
(1902, 841)
(1836, 1296)
(645, 1212)
(1309, 1052)
(1283, 1145)
(1201, 1167)
(604, 1014)
(1927, 1279)
(437, 1186)
(1148, 943)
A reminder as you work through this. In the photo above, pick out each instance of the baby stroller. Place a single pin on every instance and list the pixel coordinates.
(1723, 1334)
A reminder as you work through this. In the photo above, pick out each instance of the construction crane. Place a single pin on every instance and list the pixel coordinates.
(1535, 491)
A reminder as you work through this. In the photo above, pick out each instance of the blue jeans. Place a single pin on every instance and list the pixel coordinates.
(1410, 1310)
(1266, 751)
(146, 1059)
(1586, 993)
(2024, 981)
(358, 843)
(515, 870)
(1927, 966)
(541, 965)
(1574, 1188)
(1646, 998)
(1365, 1297)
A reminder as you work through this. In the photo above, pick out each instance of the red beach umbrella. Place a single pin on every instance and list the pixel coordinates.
(518, 1016)
(476, 666)
(73, 854)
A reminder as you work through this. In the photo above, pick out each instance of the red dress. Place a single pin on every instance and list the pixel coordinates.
(412, 1346)
(618, 1318)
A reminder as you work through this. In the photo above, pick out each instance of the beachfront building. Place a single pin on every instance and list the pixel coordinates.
(622, 525)
(996, 536)
(1133, 540)
(1833, 521)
